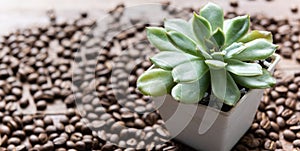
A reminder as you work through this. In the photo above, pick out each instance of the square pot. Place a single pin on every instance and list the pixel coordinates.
(208, 129)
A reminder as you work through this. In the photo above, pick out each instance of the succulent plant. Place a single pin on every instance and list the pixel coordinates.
(207, 52)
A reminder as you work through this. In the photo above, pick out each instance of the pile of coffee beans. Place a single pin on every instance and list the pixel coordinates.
(71, 85)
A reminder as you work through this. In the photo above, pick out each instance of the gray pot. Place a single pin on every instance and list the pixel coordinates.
(208, 129)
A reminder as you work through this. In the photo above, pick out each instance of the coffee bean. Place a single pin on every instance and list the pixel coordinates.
(70, 144)
(80, 145)
(271, 115)
(265, 124)
(270, 145)
(296, 143)
(293, 120)
(4, 130)
(294, 9)
(69, 129)
(33, 139)
(273, 136)
(24, 103)
(280, 101)
(260, 133)
(51, 129)
(41, 105)
(274, 126)
(43, 138)
(280, 121)
(289, 135)
(59, 141)
(27, 119)
(14, 140)
(48, 120)
(21, 147)
(290, 103)
(287, 113)
(19, 134)
(108, 147)
(48, 146)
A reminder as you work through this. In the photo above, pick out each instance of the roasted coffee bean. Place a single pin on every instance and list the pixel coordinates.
(273, 136)
(293, 120)
(274, 126)
(294, 8)
(295, 128)
(296, 143)
(27, 119)
(265, 124)
(70, 144)
(4, 130)
(287, 113)
(289, 135)
(14, 140)
(59, 141)
(43, 138)
(80, 145)
(19, 134)
(48, 120)
(290, 103)
(41, 105)
(24, 103)
(260, 133)
(270, 145)
(33, 139)
(48, 146)
(280, 121)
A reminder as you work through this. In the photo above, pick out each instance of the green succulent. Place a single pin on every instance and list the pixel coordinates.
(207, 52)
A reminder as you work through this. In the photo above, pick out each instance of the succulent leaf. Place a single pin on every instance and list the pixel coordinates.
(180, 26)
(155, 82)
(189, 71)
(256, 82)
(218, 37)
(243, 69)
(234, 48)
(214, 14)
(255, 34)
(158, 38)
(183, 42)
(201, 28)
(168, 60)
(224, 87)
(191, 92)
(257, 49)
(215, 64)
(236, 28)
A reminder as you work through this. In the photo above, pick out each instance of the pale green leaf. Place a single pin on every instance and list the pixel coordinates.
(168, 60)
(215, 64)
(179, 25)
(191, 92)
(189, 71)
(243, 69)
(183, 42)
(158, 38)
(224, 87)
(218, 37)
(236, 28)
(255, 34)
(155, 82)
(201, 28)
(256, 50)
(234, 48)
(214, 14)
(256, 82)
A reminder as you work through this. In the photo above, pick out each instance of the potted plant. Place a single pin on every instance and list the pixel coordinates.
(212, 73)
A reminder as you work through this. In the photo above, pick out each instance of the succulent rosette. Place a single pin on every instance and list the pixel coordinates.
(207, 52)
